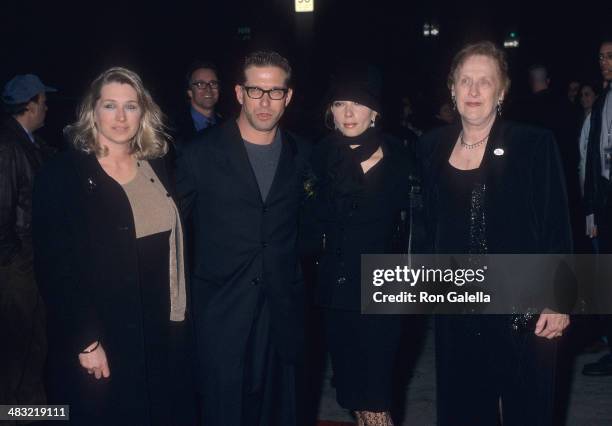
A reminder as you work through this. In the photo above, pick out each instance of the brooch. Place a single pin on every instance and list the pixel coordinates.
(310, 185)
(91, 184)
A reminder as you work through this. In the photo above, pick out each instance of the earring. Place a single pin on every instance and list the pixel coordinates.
(372, 123)
(454, 100)
(499, 107)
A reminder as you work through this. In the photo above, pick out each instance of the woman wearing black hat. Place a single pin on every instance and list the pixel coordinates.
(360, 202)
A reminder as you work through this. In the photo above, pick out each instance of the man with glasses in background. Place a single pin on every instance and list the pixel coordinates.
(203, 93)
(242, 190)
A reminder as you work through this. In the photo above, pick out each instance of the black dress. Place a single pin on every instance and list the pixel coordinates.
(164, 341)
(363, 348)
(481, 359)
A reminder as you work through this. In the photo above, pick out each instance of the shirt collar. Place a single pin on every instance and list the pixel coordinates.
(30, 135)
(200, 121)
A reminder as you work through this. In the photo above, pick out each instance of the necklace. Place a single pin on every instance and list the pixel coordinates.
(472, 145)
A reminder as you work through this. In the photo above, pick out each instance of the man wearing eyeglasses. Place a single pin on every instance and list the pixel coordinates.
(242, 190)
(203, 93)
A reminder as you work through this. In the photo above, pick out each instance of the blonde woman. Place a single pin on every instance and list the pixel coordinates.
(109, 261)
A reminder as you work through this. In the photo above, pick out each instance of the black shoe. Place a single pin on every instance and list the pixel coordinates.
(603, 367)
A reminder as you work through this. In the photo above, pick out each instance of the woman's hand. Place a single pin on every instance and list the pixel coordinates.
(95, 361)
(551, 324)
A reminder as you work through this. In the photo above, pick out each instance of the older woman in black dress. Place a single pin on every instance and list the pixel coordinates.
(361, 203)
(494, 187)
(109, 262)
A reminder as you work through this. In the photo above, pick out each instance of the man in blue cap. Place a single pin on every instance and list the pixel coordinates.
(21, 310)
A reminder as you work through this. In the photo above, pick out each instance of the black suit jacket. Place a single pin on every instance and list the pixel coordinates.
(244, 247)
(593, 192)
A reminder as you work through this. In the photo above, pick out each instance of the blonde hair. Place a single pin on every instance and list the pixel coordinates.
(151, 140)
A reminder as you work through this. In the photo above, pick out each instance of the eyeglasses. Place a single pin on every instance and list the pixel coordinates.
(605, 56)
(201, 85)
(257, 93)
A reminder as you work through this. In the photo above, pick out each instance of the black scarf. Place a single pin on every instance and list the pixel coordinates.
(344, 163)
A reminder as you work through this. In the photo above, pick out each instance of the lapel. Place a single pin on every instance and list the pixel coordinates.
(494, 160)
(31, 150)
(238, 161)
(594, 140)
(284, 169)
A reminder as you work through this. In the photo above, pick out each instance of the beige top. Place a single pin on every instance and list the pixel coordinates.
(154, 212)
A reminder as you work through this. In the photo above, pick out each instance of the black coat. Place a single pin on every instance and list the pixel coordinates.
(20, 159)
(244, 250)
(385, 217)
(86, 265)
(526, 205)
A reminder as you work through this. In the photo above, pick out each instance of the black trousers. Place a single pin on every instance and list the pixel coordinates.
(604, 228)
(481, 360)
(269, 382)
(23, 335)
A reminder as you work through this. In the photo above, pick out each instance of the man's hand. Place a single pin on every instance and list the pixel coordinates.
(551, 324)
(95, 361)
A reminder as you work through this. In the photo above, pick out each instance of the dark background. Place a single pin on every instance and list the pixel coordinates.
(67, 44)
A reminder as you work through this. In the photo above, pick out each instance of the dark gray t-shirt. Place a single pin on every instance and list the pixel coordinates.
(264, 160)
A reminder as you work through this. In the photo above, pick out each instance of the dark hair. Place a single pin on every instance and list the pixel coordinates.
(197, 65)
(17, 110)
(535, 67)
(597, 89)
(484, 48)
(266, 58)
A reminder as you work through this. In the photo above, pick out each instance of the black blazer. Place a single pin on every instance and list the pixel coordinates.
(244, 247)
(86, 265)
(526, 205)
(593, 192)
